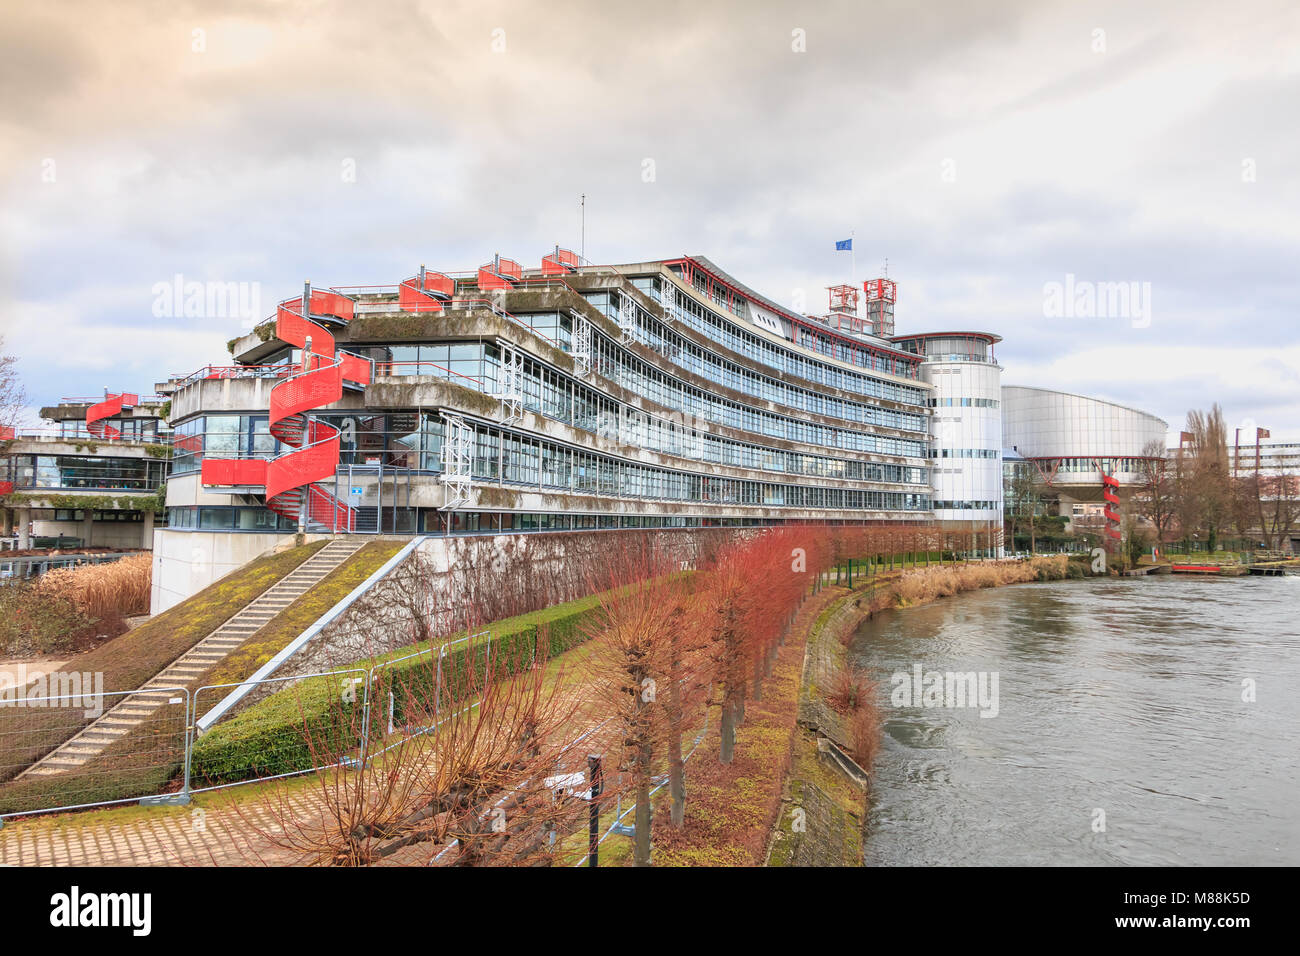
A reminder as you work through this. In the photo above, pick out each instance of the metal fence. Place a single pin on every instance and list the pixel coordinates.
(92, 748)
(85, 746)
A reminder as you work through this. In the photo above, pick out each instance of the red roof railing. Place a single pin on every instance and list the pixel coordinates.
(560, 262)
(499, 274)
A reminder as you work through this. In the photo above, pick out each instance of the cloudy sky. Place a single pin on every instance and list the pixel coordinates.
(986, 150)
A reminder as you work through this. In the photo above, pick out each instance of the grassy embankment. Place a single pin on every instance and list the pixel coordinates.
(143, 760)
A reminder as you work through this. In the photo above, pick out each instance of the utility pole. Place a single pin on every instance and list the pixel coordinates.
(596, 777)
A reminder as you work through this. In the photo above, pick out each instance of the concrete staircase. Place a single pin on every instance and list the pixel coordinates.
(190, 666)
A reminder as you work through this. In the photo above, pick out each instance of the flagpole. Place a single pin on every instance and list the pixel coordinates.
(853, 259)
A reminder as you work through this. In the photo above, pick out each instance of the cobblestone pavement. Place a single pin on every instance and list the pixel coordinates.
(208, 836)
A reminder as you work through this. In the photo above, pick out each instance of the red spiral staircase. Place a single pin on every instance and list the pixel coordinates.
(110, 407)
(290, 478)
(1109, 491)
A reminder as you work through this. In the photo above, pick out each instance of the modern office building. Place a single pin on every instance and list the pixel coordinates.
(92, 479)
(645, 395)
(1087, 452)
(658, 394)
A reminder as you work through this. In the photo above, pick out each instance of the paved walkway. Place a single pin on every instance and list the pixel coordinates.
(223, 835)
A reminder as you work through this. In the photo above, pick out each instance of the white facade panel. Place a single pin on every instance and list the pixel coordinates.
(1080, 431)
(966, 471)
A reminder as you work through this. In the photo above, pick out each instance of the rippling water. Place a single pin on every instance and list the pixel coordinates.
(1123, 695)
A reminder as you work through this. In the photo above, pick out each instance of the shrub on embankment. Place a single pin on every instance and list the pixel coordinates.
(316, 719)
(72, 608)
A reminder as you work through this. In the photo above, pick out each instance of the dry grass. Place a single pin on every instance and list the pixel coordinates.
(928, 584)
(116, 589)
(865, 725)
(853, 696)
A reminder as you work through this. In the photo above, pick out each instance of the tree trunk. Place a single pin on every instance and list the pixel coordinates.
(676, 765)
(676, 779)
(728, 731)
(641, 855)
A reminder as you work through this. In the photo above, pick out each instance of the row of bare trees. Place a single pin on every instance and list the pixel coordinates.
(482, 757)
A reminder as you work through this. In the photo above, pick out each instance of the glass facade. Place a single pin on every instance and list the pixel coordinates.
(86, 472)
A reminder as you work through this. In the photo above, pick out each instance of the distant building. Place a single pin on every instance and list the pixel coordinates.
(93, 479)
(1087, 453)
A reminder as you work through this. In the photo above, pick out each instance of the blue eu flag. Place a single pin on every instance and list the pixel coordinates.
(843, 244)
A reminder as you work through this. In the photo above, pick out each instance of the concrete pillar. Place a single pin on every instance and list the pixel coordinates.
(87, 527)
(146, 538)
(24, 528)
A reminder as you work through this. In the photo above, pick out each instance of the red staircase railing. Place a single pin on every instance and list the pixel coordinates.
(290, 477)
(110, 407)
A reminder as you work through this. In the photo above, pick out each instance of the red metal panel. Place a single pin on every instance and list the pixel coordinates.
(6, 433)
(326, 302)
(435, 283)
(304, 392)
(294, 329)
(6, 487)
(411, 299)
(234, 471)
(559, 262)
(487, 279)
(355, 368)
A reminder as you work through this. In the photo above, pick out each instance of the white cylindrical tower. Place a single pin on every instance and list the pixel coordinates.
(966, 428)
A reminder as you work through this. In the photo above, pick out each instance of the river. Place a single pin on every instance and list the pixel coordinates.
(1121, 736)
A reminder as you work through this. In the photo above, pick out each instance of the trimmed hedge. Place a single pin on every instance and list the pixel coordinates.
(312, 722)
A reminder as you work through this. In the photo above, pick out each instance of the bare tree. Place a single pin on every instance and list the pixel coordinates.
(1156, 499)
(1209, 494)
(13, 397)
(468, 780)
